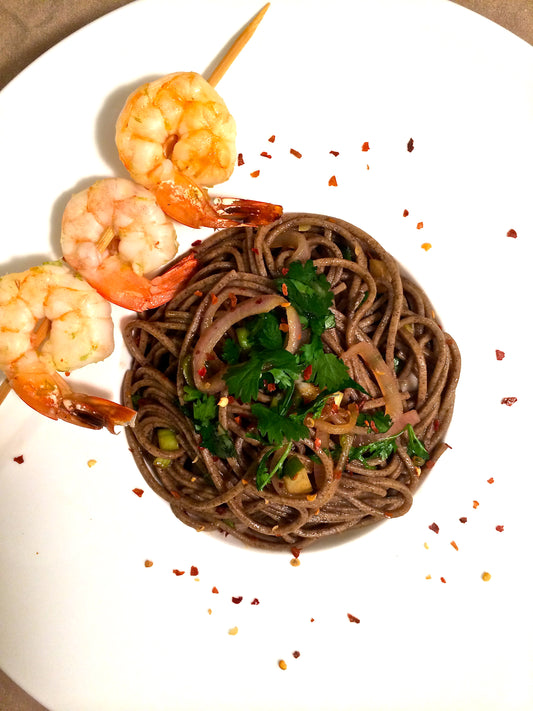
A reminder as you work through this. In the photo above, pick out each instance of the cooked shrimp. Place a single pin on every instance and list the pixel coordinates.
(80, 332)
(175, 136)
(114, 233)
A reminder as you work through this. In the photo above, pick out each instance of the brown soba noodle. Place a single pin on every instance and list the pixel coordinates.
(278, 407)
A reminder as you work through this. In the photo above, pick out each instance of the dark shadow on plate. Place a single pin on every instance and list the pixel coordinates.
(105, 125)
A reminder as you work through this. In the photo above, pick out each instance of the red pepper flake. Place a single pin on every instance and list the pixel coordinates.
(20, 459)
(285, 271)
(332, 182)
(430, 464)
(463, 519)
(426, 246)
(443, 580)
(178, 572)
(491, 480)
(199, 293)
(175, 494)
(214, 590)
(284, 327)
(499, 529)
(238, 419)
(454, 545)
(337, 474)
(202, 372)
(475, 504)
(419, 225)
(272, 139)
(307, 372)
(317, 443)
(255, 601)
(194, 570)
(334, 153)
(138, 492)
(295, 153)
(264, 154)
(296, 654)
(509, 401)
(405, 213)
(410, 145)
(271, 387)
(240, 159)
(365, 147)
(196, 243)
(500, 355)
(214, 299)
(284, 289)
(255, 250)
(148, 563)
(232, 300)
(312, 619)
(254, 173)
(352, 618)
(296, 551)
(237, 600)
(512, 233)
(436, 425)
(434, 528)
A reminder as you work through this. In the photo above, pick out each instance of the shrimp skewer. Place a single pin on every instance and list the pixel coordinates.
(176, 137)
(114, 233)
(80, 332)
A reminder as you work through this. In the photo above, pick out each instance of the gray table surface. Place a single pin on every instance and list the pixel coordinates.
(29, 27)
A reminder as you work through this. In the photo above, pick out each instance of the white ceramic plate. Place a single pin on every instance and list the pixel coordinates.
(84, 625)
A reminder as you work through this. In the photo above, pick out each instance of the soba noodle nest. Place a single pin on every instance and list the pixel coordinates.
(374, 304)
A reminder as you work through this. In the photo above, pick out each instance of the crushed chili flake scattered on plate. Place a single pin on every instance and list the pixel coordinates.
(334, 153)
(194, 570)
(178, 572)
(426, 245)
(214, 590)
(255, 173)
(233, 631)
(410, 145)
(138, 492)
(272, 139)
(512, 233)
(264, 154)
(148, 563)
(433, 527)
(352, 618)
(491, 480)
(405, 213)
(419, 225)
(500, 355)
(332, 182)
(463, 519)
(19, 459)
(255, 601)
(475, 504)
(454, 545)
(486, 577)
(509, 401)
(296, 654)
(91, 463)
(499, 528)
(295, 562)
(295, 153)
(237, 600)
(365, 147)
(282, 664)
(443, 580)
(240, 159)
(428, 577)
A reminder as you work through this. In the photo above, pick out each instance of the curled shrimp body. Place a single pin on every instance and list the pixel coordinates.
(176, 137)
(114, 233)
(80, 331)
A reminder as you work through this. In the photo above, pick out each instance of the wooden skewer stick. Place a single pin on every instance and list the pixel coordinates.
(232, 53)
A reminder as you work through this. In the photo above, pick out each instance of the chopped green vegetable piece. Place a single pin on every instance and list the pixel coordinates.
(204, 409)
(162, 462)
(216, 440)
(382, 449)
(382, 422)
(167, 439)
(243, 337)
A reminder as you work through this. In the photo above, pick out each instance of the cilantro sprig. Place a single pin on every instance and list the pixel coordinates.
(203, 412)
(310, 293)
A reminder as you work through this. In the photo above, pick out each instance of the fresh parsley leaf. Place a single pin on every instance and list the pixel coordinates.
(204, 409)
(310, 294)
(382, 422)
(283, 366)
(191, 394)
(230, 351)
(327, 371)
(415, 448)
(263, 474)
(381, 449)
(216, 440)
(244, 379)
(277, 428)
(265, 332)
